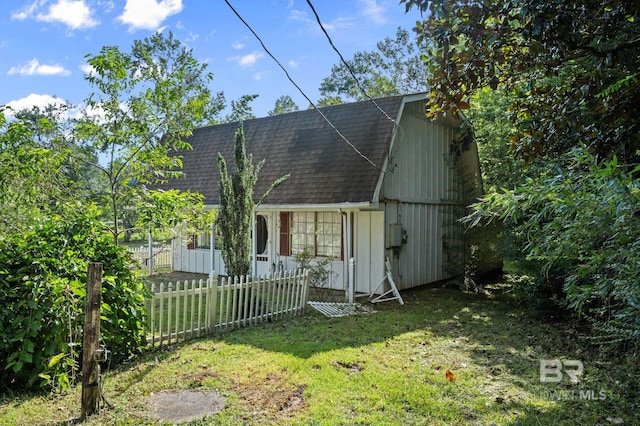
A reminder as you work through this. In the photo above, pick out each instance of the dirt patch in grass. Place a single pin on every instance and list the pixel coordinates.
(271, 398)
(184, 405)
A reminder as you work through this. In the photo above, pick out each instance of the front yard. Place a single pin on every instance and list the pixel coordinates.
(387, 367)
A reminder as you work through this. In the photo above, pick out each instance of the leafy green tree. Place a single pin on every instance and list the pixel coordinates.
(579, 225)
(31, 181)
(283, 105)
(395, 68)
(329, 101)
(50, 128)
(42, 290)
(494, 131)
(235, 215)
(241, 109)
(573, 68)
(146, 103)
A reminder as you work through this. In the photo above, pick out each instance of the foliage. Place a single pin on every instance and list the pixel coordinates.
(579, 224)
(320, 273)
(395, 68)
(493, 129)
(235, 215)
(146, 103)
(164, 210)
(572, 67)
(30, 178)
(42, 287)
(241, 109)
(283, 105)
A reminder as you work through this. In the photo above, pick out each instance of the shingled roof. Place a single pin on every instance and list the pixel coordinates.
(323, 168)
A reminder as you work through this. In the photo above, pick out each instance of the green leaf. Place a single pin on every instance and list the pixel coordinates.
(56, 359)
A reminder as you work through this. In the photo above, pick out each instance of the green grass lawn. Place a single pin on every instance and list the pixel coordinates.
(382, 368)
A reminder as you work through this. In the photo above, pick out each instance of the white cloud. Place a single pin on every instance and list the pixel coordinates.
(248, 60)
(312, 24)
(41, 101)
(374, 11)
(34, 67)
(237, 45)
(87, 69)
(73, 13)
(27, 11)
(148, 14)
(293, 63)
(259, 75)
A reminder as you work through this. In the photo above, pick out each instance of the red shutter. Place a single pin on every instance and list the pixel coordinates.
(285, 236)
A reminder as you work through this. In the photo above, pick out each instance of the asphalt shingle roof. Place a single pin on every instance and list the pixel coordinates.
(324, 169)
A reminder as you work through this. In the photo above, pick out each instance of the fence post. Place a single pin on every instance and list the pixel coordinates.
(90, 341)
(150, 243)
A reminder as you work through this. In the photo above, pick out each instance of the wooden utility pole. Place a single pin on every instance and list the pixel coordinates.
(90, 341)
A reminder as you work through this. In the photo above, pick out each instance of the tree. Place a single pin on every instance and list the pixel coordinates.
(571, 73)
(49, 128)
(146, 103)
(241, 109)
(493, 130)
(283, 105)
(395, 68)
(573, 68)
(42, 289)
(31, 181)
(235, 215)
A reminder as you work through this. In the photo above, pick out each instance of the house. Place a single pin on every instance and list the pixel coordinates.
(392, 187)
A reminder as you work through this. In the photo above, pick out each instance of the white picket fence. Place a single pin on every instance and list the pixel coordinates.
(185, 310)
(162, 256)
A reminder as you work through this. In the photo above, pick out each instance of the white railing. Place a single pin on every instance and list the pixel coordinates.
(162, 257)
(184, 310)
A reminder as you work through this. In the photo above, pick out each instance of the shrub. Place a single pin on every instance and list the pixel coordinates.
(42, 288)
(320, 273)
(580, 223)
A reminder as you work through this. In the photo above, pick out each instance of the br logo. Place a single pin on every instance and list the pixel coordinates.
(551, 370)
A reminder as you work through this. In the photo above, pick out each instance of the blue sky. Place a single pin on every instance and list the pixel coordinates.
(43, 43)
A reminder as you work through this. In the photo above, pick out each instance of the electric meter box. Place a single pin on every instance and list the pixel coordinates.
(395, 235)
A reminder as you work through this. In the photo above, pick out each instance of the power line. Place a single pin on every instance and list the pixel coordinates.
(362, 89)
(300, 89)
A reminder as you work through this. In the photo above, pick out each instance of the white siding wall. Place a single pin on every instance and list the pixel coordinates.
(197, 260)
(369, 250)
(418, 194)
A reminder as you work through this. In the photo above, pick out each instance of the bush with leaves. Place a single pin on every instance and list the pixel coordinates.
(580, 224)
(319, 269)
(43, 273)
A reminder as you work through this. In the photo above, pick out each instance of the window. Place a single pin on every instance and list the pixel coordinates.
(200, 240)
(320, 233)
(203, 240)
(328, 234)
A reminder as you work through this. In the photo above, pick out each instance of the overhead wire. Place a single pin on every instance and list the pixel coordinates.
(344, 138)
(346, 64)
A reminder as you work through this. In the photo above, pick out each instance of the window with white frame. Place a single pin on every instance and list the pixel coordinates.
(319, 233)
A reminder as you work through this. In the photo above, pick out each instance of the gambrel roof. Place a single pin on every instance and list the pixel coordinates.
(323, 168)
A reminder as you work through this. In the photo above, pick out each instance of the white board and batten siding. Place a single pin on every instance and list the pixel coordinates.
(197, 261)
(368, 250)
(419, 195)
